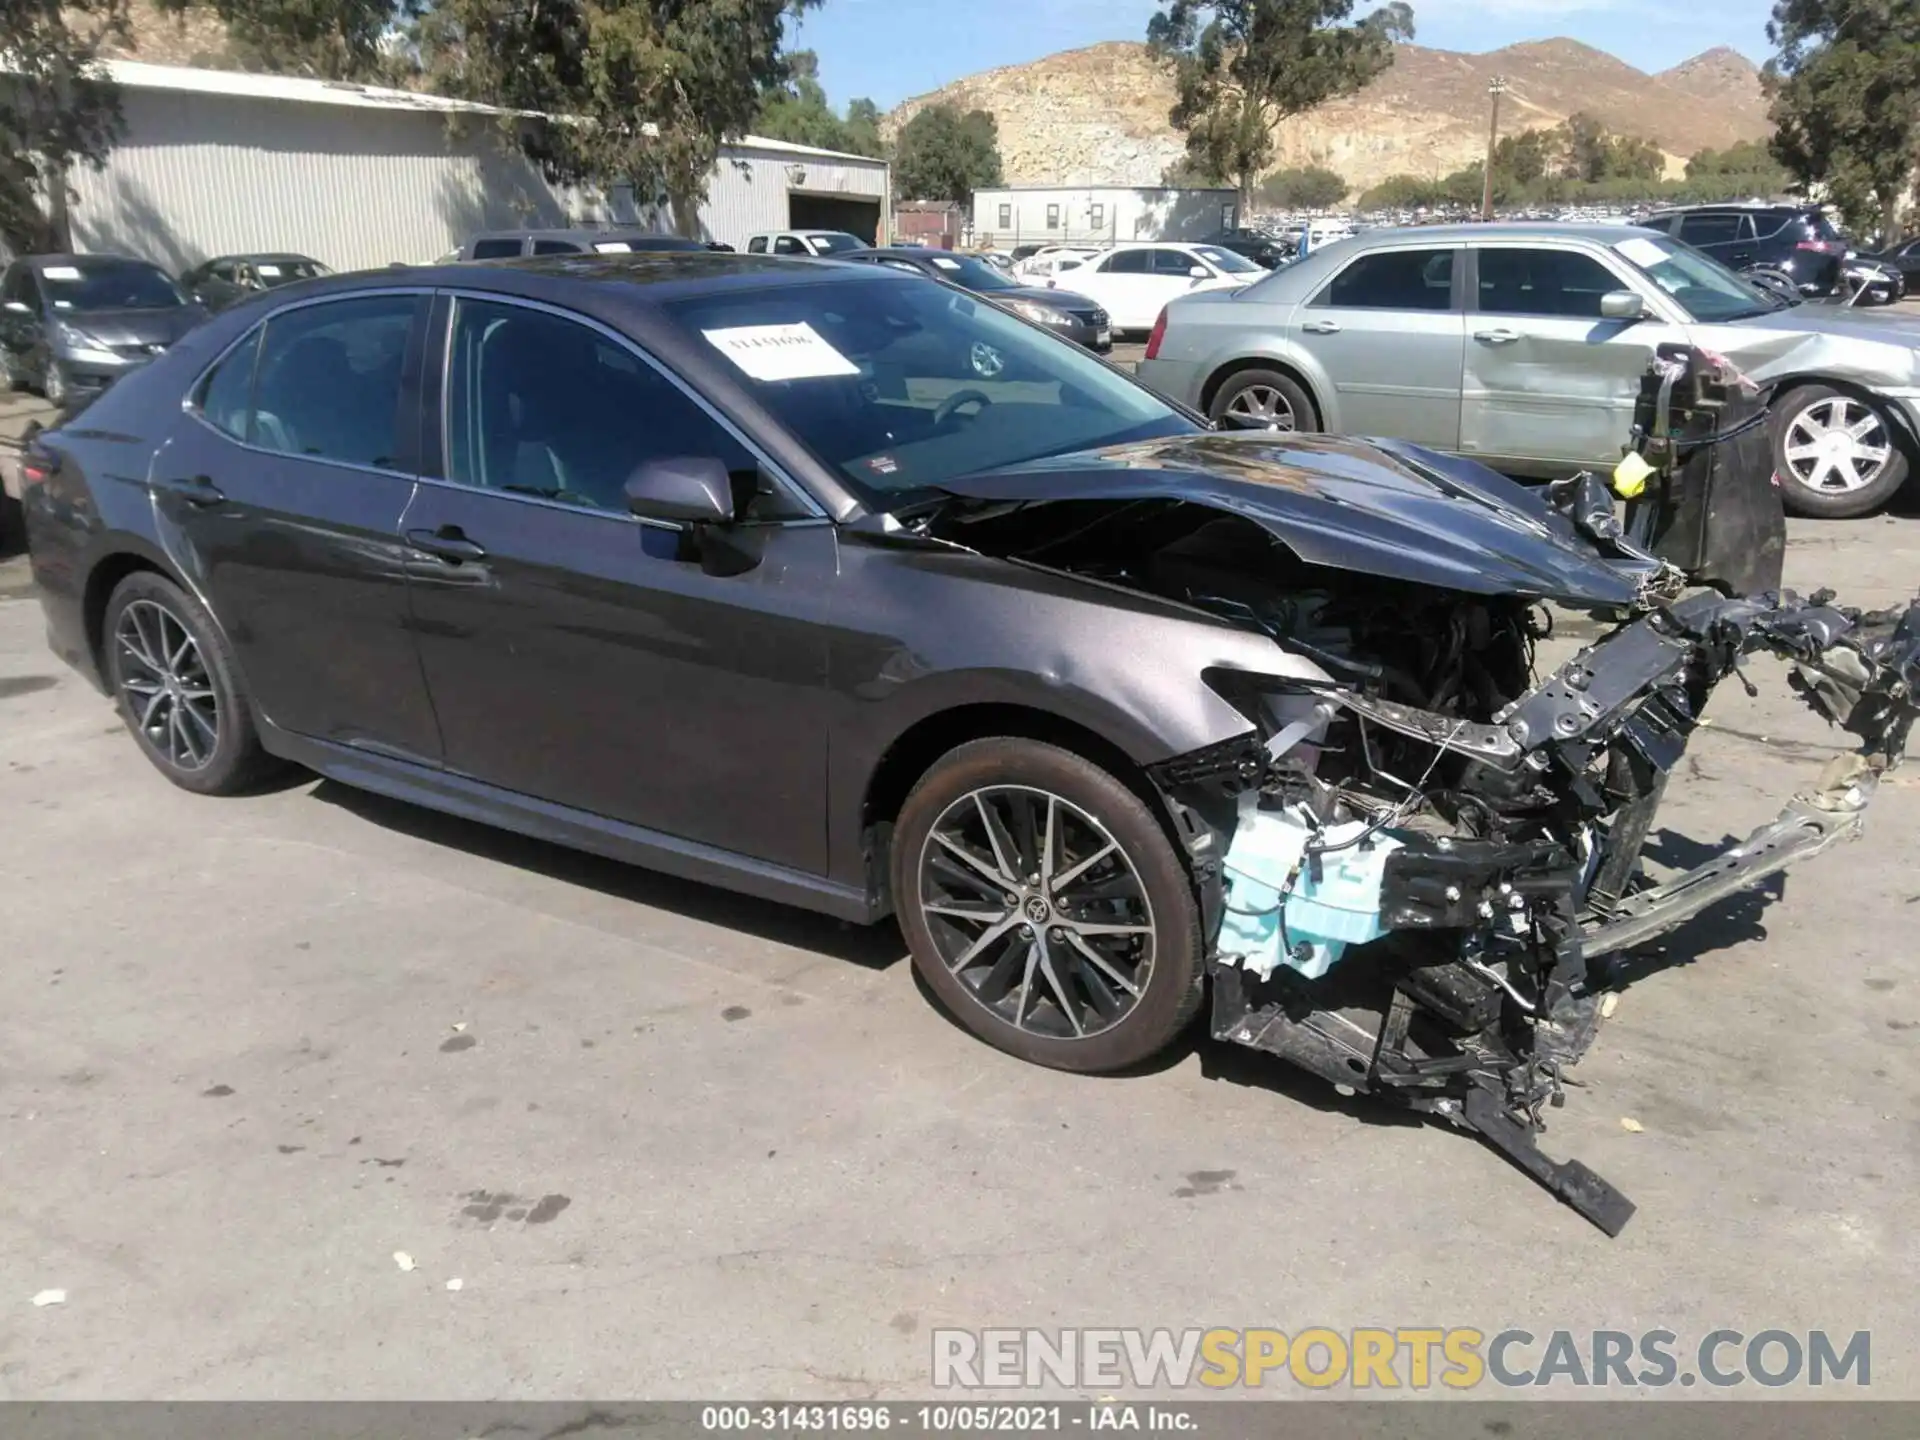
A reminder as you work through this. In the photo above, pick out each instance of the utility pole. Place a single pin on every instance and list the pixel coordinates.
(1496, 88)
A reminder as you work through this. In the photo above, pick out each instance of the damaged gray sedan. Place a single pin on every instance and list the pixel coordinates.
(849, 590)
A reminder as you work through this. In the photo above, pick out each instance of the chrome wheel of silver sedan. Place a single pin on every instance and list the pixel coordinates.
(1264, 405)
(1037, 910)
(164, 681)
(1837, 444)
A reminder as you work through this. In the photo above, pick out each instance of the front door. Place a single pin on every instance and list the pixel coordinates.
(658, 677)
(1550, 383)
(280, 495)
(1387, 333)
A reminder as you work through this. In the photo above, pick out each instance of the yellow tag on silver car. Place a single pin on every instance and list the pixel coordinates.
(1630, 476)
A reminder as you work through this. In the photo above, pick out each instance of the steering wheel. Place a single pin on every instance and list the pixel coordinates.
(950, 406)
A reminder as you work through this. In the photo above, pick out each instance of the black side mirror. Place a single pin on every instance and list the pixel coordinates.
(685, 489)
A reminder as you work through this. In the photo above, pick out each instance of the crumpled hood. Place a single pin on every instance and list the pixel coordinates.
(1376, 507)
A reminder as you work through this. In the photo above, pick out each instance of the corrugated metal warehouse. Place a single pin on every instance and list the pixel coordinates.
(221, 162)
(1099, 214)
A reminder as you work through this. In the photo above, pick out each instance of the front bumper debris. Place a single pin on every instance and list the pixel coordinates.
(1495, 938)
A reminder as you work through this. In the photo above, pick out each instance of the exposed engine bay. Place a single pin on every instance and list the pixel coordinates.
(1417, 867)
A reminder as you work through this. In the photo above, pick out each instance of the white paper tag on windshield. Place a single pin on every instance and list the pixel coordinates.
(945, 264)
(268, 270)
(1642, 252)
(781, 352)
(61, 272)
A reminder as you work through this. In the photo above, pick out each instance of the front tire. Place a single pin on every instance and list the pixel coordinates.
(1836, 454)
(1046, 907)
(178, 689)
(1264, 399)
(55, 385)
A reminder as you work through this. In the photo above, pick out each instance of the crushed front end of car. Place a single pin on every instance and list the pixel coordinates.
(1418, 865)
(1422, 872)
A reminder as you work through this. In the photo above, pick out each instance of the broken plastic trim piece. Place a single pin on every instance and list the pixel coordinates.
(1808, 824)
(1573, 1182)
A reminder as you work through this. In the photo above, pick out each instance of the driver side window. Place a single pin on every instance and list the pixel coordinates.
(547, 407)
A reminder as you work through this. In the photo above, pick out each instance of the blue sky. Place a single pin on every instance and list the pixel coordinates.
(891, 49)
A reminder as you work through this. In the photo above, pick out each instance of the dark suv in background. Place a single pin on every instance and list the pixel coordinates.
(1798, 239)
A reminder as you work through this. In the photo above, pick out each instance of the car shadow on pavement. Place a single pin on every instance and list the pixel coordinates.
(875, 947)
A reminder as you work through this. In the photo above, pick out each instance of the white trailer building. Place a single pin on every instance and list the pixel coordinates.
(222, 162)
(1099, 214)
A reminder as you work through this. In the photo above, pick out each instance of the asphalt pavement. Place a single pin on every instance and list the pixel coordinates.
(672, 1142)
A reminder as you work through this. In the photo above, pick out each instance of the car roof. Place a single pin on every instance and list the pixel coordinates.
(642, 279)
(1736, 205)
(42, 262)
(584, 232)
(1502, 230)
(263, 255)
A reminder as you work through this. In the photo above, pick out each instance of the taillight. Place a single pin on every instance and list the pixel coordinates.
(34, 471)
(1159, 334)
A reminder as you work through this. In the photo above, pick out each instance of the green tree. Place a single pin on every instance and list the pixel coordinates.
(644, 92)
(1844, 95)
(1526, 156)
(57, 110)
(943, 153)
(798, 111)
(863, 128)
(1403, 192)
(1240, 67)
(1312, 187)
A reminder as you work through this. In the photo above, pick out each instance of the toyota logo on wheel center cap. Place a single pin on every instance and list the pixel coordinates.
(1038, 910)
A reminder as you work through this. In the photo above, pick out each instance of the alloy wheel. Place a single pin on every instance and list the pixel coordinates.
(1038, 911)
(1837, 444)
(56, 383)
(166, 686)
(1264, 404)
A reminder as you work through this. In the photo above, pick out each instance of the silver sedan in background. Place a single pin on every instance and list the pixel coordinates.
(1522, 345)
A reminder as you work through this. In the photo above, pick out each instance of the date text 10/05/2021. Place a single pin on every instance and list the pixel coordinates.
(944, 1419)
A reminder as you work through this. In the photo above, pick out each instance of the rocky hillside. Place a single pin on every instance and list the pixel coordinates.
(1099, 115)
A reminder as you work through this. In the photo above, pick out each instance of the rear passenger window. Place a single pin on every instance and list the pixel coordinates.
(1393, 280)
(495, 249)
(1127, 262)
(1710, 229)
(787, 245)
(757, 245)
(327, 385)
(542, 406)
(226, 395)
(557, 247)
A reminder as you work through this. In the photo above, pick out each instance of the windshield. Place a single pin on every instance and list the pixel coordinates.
(282, 272)
(1227, 261)
(901, 385)
(832, 242)
(970, 272)
(1706, 289)
(116, 285)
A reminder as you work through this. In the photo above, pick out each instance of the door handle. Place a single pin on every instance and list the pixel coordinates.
(197, 490)
(448, 543)
(1496, 337)
(1321, 327)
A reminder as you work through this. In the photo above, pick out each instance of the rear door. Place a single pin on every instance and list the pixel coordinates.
(1550, 383)
(1387, 333)
(1121, 282)
(627, 669)
(1726, 235)
(280, 494)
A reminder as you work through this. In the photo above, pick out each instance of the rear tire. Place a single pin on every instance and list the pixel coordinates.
(178, 689)
(1109, 967)
(1841, 478)
(1265, 395)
